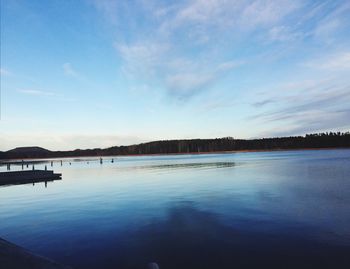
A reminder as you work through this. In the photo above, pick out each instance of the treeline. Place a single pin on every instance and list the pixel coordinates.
(319, 140)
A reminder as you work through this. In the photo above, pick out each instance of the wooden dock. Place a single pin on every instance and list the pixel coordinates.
(28, 176)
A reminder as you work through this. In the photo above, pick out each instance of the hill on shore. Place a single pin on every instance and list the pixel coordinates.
(321, 140)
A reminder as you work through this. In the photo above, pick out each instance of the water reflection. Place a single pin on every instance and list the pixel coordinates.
(196, 165)
(28, 182)
(192, 238)
(251, 210)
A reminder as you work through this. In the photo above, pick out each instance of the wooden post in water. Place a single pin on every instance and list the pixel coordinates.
(51, 163)
(61, 162)
(112, 160)
(33, 167)
(100, 160)
(45, 167)
(22, 164)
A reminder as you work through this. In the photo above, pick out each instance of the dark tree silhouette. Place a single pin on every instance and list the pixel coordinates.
(319, 140)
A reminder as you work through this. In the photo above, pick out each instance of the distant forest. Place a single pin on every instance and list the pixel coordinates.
(312, 141)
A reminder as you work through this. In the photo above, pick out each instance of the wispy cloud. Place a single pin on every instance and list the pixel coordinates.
(143, 59)
(189, 47)
(331, 22)
(217, 104)
(283, 33)
(318, 21)
(264, 102)
(57, 97)
(5, 72)
(37, 92)
(314, 106)
(267, 12)
(181, 76)
(230, 14)
(163, 56)
(184, 85)
(70, 71)
(311, 122)
(111, 9)
(185, 82)
(334, 61)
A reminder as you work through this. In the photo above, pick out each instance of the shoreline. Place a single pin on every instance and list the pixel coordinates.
(16, 257)
(180, 153)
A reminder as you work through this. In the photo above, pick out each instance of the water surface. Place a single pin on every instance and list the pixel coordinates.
(287, 209)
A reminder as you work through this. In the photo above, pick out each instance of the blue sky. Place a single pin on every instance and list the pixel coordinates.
(84, 74)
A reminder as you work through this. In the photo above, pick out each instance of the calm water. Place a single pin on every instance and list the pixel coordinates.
(286, 209)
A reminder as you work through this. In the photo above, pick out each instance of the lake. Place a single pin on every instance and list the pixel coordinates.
(282, 209)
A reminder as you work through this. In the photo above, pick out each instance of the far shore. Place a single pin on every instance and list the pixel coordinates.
(182, 153)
